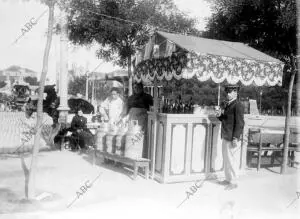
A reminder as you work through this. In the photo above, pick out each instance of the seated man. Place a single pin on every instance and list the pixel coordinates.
(81, 135)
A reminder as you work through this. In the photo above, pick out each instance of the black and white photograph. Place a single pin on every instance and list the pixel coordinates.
(149, 109)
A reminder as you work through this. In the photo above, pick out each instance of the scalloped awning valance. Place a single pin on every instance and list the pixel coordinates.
(211, 59)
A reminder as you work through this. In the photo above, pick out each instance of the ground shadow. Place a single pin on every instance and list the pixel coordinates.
(266, 163)
(127, 170)
(25, 154)
(11, 202)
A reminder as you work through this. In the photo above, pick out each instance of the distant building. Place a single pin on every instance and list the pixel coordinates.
(16, 74)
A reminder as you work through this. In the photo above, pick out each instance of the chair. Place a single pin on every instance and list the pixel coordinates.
(293, 147)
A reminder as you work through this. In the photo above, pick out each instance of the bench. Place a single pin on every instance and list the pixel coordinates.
(261, 147)
(136, 163)
(255, 148)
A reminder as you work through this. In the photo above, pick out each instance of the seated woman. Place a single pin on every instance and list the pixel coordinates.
(81, 135)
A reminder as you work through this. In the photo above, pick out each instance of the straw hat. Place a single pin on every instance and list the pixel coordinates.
(230, 87)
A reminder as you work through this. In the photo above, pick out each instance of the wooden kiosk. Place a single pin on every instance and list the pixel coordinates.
(186, 147)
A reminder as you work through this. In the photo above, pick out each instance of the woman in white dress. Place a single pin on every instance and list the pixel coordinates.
(112, 109)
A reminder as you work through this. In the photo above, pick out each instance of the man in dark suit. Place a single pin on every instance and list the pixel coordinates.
(232, 119)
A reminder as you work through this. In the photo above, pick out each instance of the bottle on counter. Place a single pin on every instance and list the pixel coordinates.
(165, 106)
(186, 108)
(177, 104)
(191, 105)
(171, 106)
(161, 104)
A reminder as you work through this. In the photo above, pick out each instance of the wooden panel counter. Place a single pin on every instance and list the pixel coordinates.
(188, 146)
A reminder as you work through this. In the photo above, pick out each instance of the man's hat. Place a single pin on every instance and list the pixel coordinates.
(230, 87)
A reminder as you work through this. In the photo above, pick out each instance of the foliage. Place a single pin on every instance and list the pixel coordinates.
(262, 24)
(31, 80)
(269, 26)
(77, 85)
(203, 93)
(120, 27)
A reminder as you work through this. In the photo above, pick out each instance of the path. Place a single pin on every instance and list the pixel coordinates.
(264, 194)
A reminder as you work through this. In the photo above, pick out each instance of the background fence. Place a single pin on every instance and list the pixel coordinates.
(14, 126)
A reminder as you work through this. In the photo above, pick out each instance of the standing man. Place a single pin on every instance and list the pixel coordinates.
(232, 118)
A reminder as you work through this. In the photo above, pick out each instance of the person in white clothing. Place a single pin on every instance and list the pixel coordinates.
(112, 108)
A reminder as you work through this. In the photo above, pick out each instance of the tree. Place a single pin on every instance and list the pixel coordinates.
(30, 181)
(120, 27)
(31, 80)
(269, 26)
(77, 85)
(298, 59)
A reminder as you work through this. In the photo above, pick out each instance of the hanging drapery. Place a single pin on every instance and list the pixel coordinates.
(170, 48)
(216, 60)
(206, 67)
(148, 48)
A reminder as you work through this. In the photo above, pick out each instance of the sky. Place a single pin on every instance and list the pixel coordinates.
(28, 50)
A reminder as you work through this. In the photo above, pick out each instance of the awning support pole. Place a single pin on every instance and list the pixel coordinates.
(219, 93)
(155, 109)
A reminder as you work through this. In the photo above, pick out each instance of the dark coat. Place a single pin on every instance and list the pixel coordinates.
(78, 122)
(232, 121)
(81, 133)
(142, 100)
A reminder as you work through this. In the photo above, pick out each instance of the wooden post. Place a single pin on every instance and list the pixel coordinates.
(155, 109)
(219, 93)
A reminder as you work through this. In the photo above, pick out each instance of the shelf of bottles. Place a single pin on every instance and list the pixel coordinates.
(171, 105)
(177, 106)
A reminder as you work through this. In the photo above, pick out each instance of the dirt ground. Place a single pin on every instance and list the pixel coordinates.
(76, 188)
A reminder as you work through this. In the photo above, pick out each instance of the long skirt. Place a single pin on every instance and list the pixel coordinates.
(83, 139)
(141, 116)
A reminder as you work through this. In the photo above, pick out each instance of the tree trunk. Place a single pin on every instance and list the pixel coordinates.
(284, 108)
(298, 59)
(129, 76)
(33, 167)
(287, 119)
